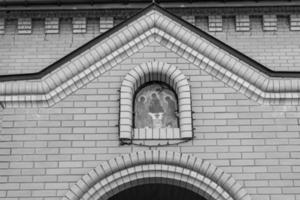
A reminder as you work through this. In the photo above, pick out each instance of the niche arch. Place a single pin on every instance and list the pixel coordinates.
(155, 72)
(156, 166)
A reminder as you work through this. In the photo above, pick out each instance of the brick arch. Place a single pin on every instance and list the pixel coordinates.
(155, 71)
(155, 166)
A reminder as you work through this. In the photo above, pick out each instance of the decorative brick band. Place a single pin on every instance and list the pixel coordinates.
(2, 26)
(155, 71)
(269, 22)
(242, 23)
(52, 25)
(24, 25)
(233, 68)
(215, 23)
(79, 24)
(156, 166)
(295, 22)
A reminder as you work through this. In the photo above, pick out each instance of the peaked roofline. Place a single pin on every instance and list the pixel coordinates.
(153, 24)
(152, 6)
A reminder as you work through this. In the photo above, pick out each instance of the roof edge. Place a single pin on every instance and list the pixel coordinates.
(152, 6)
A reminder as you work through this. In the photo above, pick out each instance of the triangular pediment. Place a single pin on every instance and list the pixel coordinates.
(78, 68)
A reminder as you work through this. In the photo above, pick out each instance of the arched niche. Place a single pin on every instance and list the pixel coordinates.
(155, 72)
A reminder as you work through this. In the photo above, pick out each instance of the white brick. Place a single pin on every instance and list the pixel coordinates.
(24, 25)
(190, 19)
(215, 23)
(2, 26)
(295, 22)
(106, 23)
(79, 25)
(242, 23)
(269, 22)
(52, 25)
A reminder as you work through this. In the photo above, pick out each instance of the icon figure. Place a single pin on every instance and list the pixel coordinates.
(170, 119)
(156, 111)
(141, 114)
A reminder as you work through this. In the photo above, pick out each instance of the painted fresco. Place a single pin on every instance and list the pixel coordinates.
(156, 107)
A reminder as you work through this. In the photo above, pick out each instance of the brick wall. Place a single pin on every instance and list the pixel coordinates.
(30, 53)
(278, 50)
(46, 150)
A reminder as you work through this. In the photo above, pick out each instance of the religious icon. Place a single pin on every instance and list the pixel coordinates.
(156, 111)
(156, 107)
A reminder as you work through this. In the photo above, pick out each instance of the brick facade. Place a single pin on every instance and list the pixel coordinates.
(46, 150)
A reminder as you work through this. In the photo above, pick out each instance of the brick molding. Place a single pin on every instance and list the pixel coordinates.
(153, 25)
(242, 23)
(269, 22)
(2, 26)
(24, 26)
(156, 166)
(155, 71)
(215, 23)
(52, 25)
(79, 25)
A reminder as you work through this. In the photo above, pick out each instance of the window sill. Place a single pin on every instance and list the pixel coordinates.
(156, 133)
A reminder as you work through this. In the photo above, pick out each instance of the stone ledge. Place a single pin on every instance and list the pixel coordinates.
(156, 133)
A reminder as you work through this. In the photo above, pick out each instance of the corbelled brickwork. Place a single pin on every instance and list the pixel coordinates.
(52, 25)
(242, 23)
(24, 26)
(273, 50)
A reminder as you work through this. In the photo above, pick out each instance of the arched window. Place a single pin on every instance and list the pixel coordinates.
(155, 106)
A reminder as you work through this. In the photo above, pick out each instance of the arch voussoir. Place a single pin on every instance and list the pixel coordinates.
(154, 166)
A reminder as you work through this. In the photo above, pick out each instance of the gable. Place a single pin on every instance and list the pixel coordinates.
(152, 24)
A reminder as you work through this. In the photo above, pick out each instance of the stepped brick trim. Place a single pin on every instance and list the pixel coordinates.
(156, 166)
(155, 71)
(269, 22)
(105, 23)
(79, 24)
(24, 25)
(215, 23)
(2, 26)
(52, 25)
(295, 22)
(152, 24)
(242, 23)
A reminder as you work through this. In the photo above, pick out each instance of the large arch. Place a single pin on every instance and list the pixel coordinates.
(155, 166)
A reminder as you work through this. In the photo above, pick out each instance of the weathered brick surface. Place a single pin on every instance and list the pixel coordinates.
(46, 150)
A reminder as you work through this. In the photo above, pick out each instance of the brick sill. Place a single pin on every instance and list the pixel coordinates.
(156, 133)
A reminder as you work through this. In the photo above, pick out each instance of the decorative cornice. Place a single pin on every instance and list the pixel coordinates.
(152, 24)
(155, 166)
